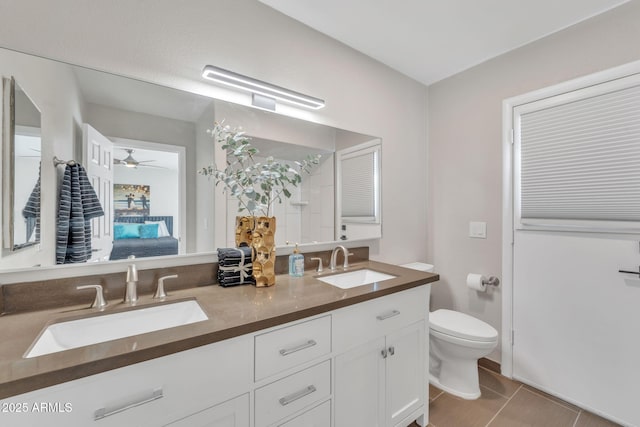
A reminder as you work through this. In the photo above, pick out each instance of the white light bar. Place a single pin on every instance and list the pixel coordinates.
(239, 81)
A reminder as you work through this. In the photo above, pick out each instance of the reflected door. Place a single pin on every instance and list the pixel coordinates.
(99, 153)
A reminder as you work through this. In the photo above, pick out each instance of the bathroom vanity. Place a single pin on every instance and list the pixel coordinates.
(302, 352)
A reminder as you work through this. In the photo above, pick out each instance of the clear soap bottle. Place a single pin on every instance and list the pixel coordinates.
(296, 263)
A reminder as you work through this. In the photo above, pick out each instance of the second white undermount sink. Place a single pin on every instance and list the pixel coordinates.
(106, 327)
(355, 278)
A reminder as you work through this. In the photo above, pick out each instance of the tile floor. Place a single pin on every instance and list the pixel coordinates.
(507, 403)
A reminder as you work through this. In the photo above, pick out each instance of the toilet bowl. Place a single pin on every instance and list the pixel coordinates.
(456, 342)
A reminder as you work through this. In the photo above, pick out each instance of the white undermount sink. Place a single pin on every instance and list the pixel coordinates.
(355, 278)
(106, 327)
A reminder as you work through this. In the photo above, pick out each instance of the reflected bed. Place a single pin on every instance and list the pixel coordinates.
(143, 236)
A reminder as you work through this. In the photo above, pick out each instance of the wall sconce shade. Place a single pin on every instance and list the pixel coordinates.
(255, 86)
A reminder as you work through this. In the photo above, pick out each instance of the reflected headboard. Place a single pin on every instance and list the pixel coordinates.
(168, 220)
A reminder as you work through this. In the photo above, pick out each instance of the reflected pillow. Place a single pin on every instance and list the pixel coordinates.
(126, 231)
(163, 231)
(148, 231)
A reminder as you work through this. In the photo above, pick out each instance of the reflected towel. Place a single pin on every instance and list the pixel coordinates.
(78, 204)
(31, 211)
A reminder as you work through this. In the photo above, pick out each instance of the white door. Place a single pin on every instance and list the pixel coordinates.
(574, 223)
(405, 372)
(99, 164)
(576, 319)
(360, 386)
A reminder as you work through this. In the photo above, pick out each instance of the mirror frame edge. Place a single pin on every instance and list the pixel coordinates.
(8, 164)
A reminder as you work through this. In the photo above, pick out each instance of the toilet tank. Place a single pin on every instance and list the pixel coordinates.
(419, 266)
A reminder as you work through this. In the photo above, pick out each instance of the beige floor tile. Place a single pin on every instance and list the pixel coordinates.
(434, 392)
(533, 410)
(551, 397)
(587, 419)
(496, 382)
(451, 411)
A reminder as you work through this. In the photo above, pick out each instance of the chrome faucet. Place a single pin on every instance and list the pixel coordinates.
(334, 255)
(131, 292)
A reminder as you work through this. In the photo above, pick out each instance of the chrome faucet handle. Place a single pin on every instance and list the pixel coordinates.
(347, 254)
(319, 269)
(99, 302)
(160, 293)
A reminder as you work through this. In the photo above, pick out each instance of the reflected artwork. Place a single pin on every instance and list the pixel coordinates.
(131, 199)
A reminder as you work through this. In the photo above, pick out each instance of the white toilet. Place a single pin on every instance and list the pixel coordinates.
(456, 342)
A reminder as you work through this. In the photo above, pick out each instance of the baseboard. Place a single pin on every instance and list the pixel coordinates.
(489, 364)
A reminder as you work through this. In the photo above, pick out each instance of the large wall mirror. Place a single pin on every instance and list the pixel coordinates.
(157, 141)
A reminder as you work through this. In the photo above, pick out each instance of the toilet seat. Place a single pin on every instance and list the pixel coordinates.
(461, 325)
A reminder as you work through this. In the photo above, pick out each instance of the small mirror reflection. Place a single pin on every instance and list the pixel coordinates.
(26, 166)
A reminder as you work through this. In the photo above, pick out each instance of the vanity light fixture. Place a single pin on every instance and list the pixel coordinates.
(258, 87)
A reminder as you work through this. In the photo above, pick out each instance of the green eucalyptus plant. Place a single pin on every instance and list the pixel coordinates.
(256, 185)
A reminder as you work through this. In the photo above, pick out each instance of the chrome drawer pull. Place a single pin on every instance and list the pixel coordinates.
(392, 313)
(287, 351)
(105, 412)
(297, 395)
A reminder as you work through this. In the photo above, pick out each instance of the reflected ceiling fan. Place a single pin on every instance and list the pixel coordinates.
(130, 162)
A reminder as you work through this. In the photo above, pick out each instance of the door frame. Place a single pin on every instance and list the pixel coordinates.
(508, 138)
(181, 225)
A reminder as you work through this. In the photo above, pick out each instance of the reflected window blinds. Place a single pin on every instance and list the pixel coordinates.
(359, 182)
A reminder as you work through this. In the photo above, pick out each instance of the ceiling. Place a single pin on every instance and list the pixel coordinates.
(430, 40)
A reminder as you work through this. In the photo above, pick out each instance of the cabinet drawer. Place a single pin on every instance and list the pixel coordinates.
(320, 416)
(366, 321)
(291, 346)
(289, 395)
(151, 393)
(232, 413)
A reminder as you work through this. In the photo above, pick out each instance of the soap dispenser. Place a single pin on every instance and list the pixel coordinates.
(296, 263)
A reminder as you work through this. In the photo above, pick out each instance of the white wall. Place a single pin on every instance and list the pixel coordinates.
(465, 146)
(163, 184)
(171, 42)
(205, 187)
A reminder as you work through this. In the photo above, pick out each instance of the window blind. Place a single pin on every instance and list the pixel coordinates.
(580, 160)
(358, 185)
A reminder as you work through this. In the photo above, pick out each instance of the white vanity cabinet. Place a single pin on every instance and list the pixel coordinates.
(380, 377)
(361, 365)
(152, 393)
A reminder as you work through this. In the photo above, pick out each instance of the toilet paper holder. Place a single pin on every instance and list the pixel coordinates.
(491, 281)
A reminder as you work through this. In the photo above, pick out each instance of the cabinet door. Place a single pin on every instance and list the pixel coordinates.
(360, 386)
(233, 413)
(406, 376)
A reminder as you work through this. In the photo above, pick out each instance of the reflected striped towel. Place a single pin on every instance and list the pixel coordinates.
(78, 204)
(31, 211)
